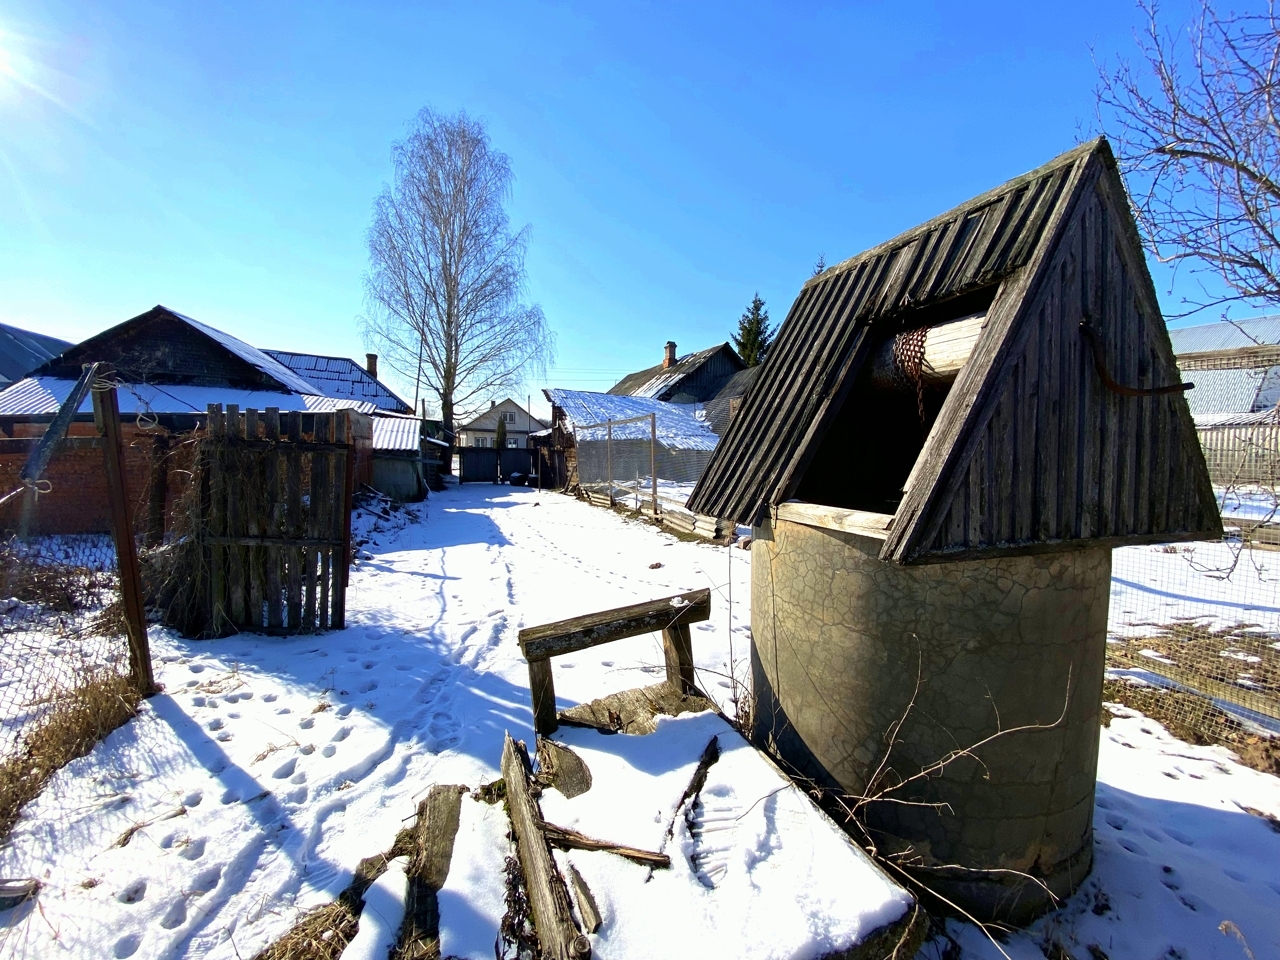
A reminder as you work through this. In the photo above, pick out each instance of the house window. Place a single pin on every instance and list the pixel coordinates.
(513, 443)
(509, 417)
(478, 441)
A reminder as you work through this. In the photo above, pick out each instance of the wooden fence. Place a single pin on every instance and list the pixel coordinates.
(276, 519)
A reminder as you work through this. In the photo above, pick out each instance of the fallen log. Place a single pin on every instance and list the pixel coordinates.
(548, 899)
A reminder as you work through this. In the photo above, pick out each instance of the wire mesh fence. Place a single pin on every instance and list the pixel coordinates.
(631, 463)
(73, 649)
(1195, 627)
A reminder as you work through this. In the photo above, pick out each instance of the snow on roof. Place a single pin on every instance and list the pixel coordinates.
(655, 380)
(679, 426)
(1226, 335)
(252, 355)
(36, 396)
(340, 378)
(1233, 391)
(396, 433)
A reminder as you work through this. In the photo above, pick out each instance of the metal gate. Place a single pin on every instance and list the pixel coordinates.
(477, 465)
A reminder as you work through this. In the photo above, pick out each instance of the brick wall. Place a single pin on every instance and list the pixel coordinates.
(77, 502)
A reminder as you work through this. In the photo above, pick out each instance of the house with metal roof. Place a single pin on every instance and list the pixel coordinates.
(21, 351)
(693, 378)
(341, 378)
(482, 430)
(1235, 365)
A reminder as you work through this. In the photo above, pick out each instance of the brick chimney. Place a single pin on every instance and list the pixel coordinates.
(371, 364)
(669, 355)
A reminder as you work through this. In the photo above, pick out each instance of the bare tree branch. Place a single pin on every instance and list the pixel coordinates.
(1196, 134)
(446, 275)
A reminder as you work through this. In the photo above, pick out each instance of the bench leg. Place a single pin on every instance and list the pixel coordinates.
(543, 690)
(677, 646)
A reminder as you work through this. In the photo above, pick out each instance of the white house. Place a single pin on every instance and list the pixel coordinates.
(483, 430)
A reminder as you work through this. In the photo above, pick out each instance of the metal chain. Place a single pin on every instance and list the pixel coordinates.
(908, 357)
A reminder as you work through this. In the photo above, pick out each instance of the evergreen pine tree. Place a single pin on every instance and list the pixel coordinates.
(820, 264)
(754, 336)
(500, 438)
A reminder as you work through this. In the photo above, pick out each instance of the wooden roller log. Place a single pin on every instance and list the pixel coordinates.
(946, 350)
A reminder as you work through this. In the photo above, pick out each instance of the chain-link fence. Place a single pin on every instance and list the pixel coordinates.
(72, 663)
(637, 464)
(1197, 625)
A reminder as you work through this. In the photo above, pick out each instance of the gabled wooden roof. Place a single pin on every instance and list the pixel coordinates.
(1029, 448)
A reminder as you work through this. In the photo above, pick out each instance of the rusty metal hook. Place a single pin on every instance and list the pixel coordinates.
(1100, 364)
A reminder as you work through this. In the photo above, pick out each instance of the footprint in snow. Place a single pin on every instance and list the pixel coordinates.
(282, 711)
(133, 893)
(196, 667)
(369, 664)
(269, 698)
(193, 850)
(205, 881)
(1133, 847)
(343, 710)
(193, 798)
(197, 701)
(175, 916)
(127, 946)
(341, 734)
(285, 769)
(306, 723)
(214, 724)
(299, 777)
(229, 797)
(368, 686)
(297, 796)
(223, 737)
(329, 750)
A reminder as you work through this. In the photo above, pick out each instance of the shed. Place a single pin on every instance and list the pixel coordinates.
(693, 378)
(951, 432)
(406, 462)
(21, 351)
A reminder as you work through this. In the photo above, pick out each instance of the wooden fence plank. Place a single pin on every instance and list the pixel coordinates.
(580, 633)
(293, 523)
(345, 476)
(217, 518)
(322, 503)
(272, 555)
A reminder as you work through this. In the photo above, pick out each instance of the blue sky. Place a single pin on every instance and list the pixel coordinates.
(222, 158)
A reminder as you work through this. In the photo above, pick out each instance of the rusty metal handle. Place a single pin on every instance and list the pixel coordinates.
(1100, 364)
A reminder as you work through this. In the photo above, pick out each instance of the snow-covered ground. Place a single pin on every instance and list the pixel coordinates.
(247, 792)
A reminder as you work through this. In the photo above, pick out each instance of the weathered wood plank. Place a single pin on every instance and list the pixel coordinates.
(542, 689)
(238, 556)
(634, 711)
(272, 555)
(548, 899)
(560, 767)
(593, 629)
(587, 908)
(677, 651)
(347, 479)
(293, 523)
(860, 522)
(433, 837)
(567, 839)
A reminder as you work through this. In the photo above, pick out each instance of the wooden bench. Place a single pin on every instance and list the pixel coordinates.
(671, 615)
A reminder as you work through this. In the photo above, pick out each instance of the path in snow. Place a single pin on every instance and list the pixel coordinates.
(269, 767)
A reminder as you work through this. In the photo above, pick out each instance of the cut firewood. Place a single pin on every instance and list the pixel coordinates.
(567, 839)
(548, 899)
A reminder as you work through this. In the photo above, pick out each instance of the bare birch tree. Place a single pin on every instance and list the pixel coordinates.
(446, 274)
(1196, 132)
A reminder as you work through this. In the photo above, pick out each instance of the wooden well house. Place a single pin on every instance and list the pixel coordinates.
(951, 433)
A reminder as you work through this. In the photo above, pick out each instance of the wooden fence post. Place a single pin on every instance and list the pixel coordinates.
(345, 435)
(216, 519)
(609, 450)
(106, 413)
(653, 459)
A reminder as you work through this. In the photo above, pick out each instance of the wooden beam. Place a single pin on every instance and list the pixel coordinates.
(677, 650)
(542, 688)
(548, 899)
(947, 347)
(859, 522)
(582, 633)
(106, 413)
(433, 836)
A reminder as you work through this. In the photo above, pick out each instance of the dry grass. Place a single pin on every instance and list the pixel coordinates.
(80, 719)
(1196, 720)
(323, 933)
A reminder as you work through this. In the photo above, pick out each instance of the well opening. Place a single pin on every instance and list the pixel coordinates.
(873, 444)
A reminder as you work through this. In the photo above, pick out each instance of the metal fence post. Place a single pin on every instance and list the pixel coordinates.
(106, 413)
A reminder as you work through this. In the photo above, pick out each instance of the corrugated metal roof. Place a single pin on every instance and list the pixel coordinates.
(21, 351)
(679, 426)
(396, 433)
(340, 378)
(970, 247)
(1270, 415)
(1226, 335)
(1225, 391)
(36, 396)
